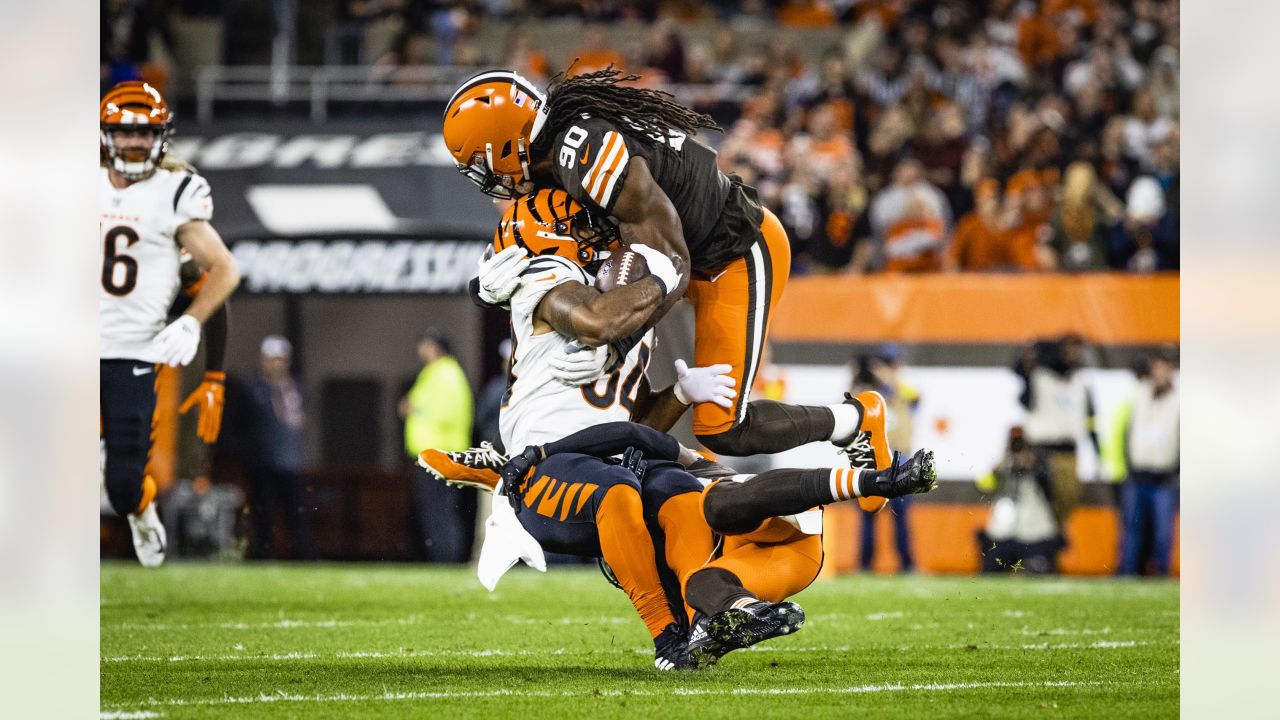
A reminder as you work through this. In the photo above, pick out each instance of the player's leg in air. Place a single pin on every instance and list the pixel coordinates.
(128, 401)
(737, 595)
(733, 310)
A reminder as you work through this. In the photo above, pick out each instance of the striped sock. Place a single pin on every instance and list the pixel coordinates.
(844, 482)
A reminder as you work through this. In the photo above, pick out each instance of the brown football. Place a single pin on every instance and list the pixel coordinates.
(621, 268)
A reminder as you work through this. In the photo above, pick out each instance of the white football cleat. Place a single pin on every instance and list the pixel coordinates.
(148, 536)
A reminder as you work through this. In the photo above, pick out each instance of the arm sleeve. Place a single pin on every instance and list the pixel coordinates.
(612, 438)
(594, 169)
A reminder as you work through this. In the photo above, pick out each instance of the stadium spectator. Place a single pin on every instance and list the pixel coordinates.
(844, 224)
(981, 241)
(1147, 239)
(882, 372)
(1148, 433)
(438, 414)
(1080, 227)
(940, 147)
(274, 419)
(806, 14)
(664, 52)
(595, 53)
(1145, 128)
(1026, 213)
(909, 221)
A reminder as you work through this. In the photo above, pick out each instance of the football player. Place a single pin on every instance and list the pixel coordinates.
(151, 208)
(762, 533)
(602, 514)
(630, 154)
(552, 303)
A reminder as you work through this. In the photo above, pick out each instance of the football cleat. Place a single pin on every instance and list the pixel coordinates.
(476, 467)
(671, 649)
(704, 651)
(917, 475)
(740, 628)
(148, 536)
(868, 447)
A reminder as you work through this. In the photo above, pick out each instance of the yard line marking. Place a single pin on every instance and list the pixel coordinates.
(330, 623)
(1079, 631)
(884, 616)
(281, 624)
(384, 654)
(126, 715)
(282, 696)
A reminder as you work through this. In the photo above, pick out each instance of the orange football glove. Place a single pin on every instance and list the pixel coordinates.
(209, 396)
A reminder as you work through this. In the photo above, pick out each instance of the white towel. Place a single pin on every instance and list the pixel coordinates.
(505, 543)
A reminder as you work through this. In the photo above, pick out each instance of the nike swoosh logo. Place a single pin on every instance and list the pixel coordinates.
(144, 371)
(586, 154)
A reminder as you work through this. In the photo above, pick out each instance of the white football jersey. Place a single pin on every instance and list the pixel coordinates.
(538, 408)
(139, 256)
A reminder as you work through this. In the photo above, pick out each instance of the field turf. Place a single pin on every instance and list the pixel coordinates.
(357, 641)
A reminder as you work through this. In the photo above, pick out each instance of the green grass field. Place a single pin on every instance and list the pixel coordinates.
(356, 641)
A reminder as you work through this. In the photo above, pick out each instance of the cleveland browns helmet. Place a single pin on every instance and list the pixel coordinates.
(489, 125)
(549, 222)
(133, 105)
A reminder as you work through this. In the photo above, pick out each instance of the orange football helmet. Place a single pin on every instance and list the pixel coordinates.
(134, 105)
(489, 125)
(549, 222)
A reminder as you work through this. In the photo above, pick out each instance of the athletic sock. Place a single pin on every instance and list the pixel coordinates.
(714, 590)
(847, 418)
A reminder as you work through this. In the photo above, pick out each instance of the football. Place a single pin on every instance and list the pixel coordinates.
(621, 268)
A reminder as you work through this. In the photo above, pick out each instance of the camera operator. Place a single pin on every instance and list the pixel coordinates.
(1059, 410)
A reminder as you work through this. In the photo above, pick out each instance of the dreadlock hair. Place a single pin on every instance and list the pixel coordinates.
(600, 95)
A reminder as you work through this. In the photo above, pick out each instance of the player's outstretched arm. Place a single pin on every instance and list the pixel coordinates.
(205, 245)
(612, 438)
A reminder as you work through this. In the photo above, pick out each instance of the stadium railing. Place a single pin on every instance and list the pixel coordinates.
(322, 87)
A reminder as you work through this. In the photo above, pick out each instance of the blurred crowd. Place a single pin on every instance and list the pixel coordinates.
(934, 135)
(929, 135)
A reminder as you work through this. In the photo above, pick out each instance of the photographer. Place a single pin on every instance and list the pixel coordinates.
(1059, 410)
(1021, 532)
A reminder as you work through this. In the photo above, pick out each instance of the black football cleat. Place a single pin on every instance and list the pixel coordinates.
(704, 651)
(917, 475)
(743, 627)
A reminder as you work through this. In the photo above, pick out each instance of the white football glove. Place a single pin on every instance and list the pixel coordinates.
(577, 364)
(660, 266)
(177, 344)
(705, 384)
(500, 274)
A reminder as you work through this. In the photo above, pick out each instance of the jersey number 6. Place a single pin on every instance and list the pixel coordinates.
(111, 260)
